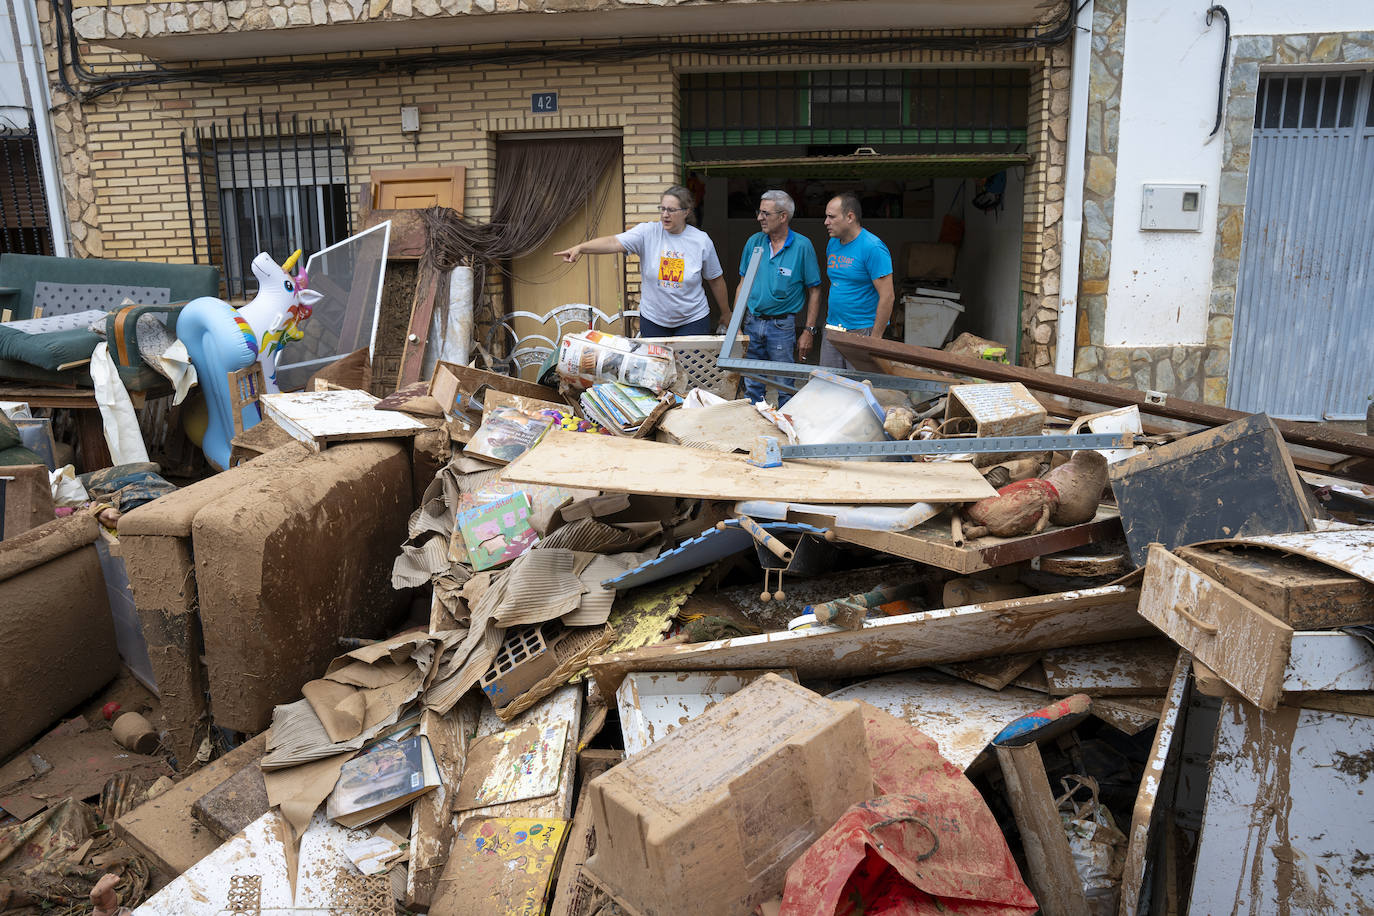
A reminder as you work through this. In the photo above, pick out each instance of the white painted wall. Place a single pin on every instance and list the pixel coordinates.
(1161, 281)
(12, 102)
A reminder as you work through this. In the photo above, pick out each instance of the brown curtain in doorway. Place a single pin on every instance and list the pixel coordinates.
(538, 183)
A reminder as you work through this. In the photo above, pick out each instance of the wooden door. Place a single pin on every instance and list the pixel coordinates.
(540, 285)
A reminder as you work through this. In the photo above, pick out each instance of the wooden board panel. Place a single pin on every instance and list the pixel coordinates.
(905, 641)
(1244, 645)
(1142, 815)
(416, 189)
(320, 417)
(654, 468)
(1234, 481)
(163, 830)
(1137, 667)
(1348, 549)
(1303, 593)
(1287, 820)
(932, 542)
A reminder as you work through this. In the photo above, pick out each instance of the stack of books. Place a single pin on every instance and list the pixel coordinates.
(619, 407)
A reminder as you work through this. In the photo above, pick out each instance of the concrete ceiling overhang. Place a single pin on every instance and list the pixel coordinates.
(766, 16)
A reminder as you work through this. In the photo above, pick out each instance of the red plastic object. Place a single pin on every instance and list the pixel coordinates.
(930, 847)
(108, 710)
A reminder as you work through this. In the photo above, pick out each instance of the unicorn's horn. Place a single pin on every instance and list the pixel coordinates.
(291, 262)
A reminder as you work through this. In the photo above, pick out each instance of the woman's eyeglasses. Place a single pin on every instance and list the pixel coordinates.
(671, 209)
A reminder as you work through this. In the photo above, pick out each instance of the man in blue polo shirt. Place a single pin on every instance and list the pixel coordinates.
(860, 270)
(788, 278)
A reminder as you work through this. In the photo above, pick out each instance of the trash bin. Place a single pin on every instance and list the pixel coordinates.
(929, 319)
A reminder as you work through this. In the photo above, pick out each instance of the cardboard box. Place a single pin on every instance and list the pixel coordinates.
(997, 409)
(716, 812)
(931, 260)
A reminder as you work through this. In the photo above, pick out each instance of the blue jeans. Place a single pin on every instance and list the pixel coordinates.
(772, 338)
(700, 327)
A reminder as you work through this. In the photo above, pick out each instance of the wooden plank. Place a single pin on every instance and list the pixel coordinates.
(654, 468)
(163, 831)
(581, 836)
(1244, 645)
(1348, 549)
(1162, 752)
(1129, 715)
(933, 543)
(1057, 887)
(1287, 819)
(1135, 667)
(431, 828)
(905, 641)
(1229, 482)
(318, 418)
(860, 350)
(427, 286)
(992, 673)
(1303, 593)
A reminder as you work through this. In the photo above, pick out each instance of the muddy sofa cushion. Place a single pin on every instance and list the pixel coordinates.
(289, 563)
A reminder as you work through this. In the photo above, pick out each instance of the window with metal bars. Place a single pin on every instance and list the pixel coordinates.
(1316, 101)
(912, 108)
(266, 186)
(25, 227)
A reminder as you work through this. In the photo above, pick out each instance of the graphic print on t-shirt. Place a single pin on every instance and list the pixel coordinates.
(841, 261)
(672, 265)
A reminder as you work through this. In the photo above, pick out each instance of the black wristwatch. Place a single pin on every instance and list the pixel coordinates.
(812, 330)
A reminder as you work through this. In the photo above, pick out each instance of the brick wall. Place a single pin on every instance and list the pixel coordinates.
(127, 191)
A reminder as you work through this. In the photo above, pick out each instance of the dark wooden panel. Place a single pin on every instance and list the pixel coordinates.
(1232, 481)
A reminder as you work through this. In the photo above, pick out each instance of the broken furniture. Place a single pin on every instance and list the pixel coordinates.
(869, 354)
(52, 608)
(273, 561)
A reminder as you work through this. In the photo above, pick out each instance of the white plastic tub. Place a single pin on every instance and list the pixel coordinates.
(929, 319)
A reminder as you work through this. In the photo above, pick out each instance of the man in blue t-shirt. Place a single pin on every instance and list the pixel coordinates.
(860, 270)
(788, 277)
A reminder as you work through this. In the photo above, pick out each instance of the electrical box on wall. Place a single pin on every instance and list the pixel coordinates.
(1176, 207)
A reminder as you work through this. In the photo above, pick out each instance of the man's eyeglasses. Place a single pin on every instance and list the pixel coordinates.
(671, 209)
(768, 214)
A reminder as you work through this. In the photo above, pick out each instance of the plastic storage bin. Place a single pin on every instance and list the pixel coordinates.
(929, 319)
(831, 408)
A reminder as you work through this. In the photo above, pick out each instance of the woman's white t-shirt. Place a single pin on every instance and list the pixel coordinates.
(672, 268)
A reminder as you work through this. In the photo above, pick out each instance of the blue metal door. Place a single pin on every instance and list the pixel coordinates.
(1303, 339)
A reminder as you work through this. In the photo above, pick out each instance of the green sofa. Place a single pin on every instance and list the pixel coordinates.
(65, 285)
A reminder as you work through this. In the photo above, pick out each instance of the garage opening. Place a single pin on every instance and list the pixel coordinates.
(937, 157)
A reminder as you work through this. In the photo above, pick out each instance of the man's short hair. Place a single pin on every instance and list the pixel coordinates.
(783, 200)
(849, 203)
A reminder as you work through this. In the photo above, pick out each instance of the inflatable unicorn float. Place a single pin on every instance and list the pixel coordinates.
(221, 339)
